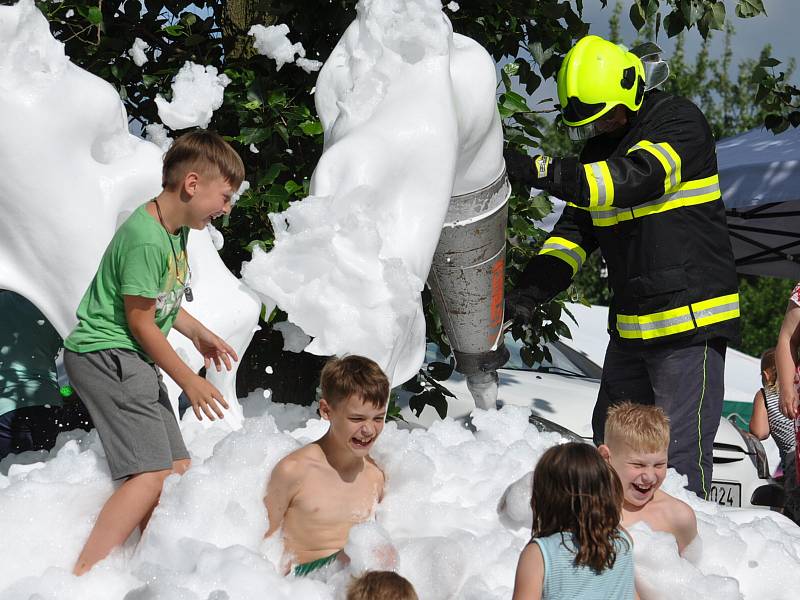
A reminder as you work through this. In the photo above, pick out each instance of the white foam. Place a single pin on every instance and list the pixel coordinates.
(158, 134)
(294, 339)
(72, 173)
(272, 41)
(409, 116)
(197, 91)
(136, 52)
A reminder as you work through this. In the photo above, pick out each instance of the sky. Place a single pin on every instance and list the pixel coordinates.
(779, 28)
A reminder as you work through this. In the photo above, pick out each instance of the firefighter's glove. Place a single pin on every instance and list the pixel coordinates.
(556, 176)
(522, 302)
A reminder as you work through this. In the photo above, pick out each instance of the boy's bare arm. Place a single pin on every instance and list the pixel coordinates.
(210, 345)
(140, 313)
(684, 525)
(284, 483)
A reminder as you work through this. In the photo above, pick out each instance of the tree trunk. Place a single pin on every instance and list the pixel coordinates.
(237, 18)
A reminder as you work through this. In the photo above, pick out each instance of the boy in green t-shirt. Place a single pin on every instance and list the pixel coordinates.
(114, 354)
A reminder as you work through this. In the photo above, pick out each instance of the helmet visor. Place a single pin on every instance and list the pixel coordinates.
(576, 111)
(584, 132)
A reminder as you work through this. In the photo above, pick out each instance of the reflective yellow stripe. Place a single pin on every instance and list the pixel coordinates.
(689, 193)
(592, 181)
(677, 320)
(669, 159)
(566, 250)
(601, 186)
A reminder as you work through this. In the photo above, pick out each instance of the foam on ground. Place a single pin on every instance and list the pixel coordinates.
(439, 524)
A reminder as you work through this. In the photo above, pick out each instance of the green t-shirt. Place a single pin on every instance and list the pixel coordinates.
(138, 261)
(28, 348)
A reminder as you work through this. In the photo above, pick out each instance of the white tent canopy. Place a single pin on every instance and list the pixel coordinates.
(760, 179)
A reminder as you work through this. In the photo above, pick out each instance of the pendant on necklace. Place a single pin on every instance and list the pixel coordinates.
(187, 292)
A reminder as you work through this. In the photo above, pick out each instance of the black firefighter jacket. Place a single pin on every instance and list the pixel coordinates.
(650, 200)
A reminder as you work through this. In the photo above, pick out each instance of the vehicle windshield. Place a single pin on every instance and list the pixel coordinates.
(563, 360)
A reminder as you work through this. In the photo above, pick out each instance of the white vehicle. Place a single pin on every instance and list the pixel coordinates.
(561, 394)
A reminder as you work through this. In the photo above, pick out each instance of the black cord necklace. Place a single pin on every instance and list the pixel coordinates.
(187, 290)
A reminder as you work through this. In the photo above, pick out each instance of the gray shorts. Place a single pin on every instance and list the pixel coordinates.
(130, 408)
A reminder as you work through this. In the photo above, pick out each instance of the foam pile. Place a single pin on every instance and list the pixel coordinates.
(405, 105)
(197, 91)
(439, 524)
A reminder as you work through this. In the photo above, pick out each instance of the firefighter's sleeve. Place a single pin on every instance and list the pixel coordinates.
(675, 149)
(561, 256)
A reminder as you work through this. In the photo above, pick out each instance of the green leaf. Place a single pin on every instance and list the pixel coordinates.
(769, 62)
(292, 186)
(311, 127)
(749, 8)
(440, 371)
(514, 103)
(794, 118)
(692, 11)
(277, 196)
(511, 69)
(773, 122)
(252, 135)
(173, 30)
(718, 15)
(674, 23)
(637, 16)
(272, 173)
(277, 99)
(94, 15)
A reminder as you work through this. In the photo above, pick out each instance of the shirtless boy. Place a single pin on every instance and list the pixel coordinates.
(317, 493)
(636, 445)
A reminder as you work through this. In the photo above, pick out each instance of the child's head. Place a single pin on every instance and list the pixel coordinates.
(636, 445)
(205, 153)
(769, 372)
(205, 171)
(355, 392)
(576, 491)
(381, 585)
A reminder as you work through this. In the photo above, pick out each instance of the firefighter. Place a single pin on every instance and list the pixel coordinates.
(645, 191)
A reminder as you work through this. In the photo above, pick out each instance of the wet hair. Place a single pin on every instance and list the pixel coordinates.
(354, 376)
(381, 585)
(642, 427)
(575, 491)
(769, 372)
(205, 153)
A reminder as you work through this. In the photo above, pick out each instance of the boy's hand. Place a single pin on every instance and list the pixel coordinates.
(213, 347)
(205, 397)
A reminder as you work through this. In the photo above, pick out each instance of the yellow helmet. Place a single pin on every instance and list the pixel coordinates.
(596, 76)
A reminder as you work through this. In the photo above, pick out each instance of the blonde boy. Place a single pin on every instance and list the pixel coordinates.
(636, 445)
(317, 493)
(115, 353)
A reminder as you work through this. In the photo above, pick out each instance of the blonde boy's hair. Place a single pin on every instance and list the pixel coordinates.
(205, 153)
(381, 585)
(643, 428)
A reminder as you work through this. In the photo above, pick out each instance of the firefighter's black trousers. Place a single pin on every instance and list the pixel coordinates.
(687, 381)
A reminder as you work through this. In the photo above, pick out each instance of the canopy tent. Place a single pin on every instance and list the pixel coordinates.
(760, 178)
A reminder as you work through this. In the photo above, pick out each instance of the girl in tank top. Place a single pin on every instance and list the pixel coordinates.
(767, 418)
(579, 549)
